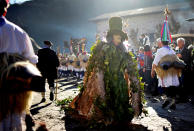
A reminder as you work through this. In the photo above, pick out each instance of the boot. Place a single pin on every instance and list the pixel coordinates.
(165, 104)
(43, 97)
(52, 93)
(173, 104)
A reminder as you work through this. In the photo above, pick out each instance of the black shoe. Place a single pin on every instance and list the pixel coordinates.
(166, 103)
(173, 107)
(78, 78)
(43, 100)
(29, 122)
(51, 96)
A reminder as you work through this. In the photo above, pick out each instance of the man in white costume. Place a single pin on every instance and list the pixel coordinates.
(12, 38)
(167, 66)
(167, 79)
(14, 43)
(84, 57)
(70, 68)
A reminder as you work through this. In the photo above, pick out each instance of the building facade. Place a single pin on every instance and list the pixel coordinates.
(145, 20)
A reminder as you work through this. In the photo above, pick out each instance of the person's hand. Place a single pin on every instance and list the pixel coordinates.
(143, 69)
(179, 55)
(152, 73)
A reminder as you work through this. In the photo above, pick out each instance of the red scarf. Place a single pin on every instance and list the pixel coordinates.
(148, 53)
(4, 14)
(7, 1)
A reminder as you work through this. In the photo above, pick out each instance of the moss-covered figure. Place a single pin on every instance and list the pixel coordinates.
(112, 89)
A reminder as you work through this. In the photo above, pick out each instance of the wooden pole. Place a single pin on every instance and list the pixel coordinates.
(56, 81)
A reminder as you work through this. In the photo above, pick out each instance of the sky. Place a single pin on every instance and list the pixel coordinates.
(58, 20)
(18, 1)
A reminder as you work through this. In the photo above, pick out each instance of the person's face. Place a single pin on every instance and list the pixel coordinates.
(154, 50)
(140, 51)
(180, 44)
(116, 39)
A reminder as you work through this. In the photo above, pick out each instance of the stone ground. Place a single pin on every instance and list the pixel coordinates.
(158, 119)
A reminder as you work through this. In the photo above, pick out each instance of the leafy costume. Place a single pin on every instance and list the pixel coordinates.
(118, 96)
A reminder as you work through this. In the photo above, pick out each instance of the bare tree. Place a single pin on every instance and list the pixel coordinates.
(173, 25)
(66, 44)
(158, 30)
(133, 36)
(192, 4)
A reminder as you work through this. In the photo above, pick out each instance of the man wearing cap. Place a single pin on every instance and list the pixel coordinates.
(12, 38)
(47, 64)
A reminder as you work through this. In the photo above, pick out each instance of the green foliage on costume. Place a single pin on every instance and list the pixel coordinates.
(65, 101)
(113, 61)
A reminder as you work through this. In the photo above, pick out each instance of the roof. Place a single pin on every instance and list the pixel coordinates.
(142, 11)
(183, 35)
(190, 19)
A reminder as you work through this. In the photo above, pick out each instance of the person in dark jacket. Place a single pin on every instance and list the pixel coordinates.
(186, 79)
(147, 68)
(47, 64)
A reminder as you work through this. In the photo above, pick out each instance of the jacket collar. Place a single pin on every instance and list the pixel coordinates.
(2, 20)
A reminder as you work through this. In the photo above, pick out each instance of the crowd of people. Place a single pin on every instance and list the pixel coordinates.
(148, 57)
(72, 65)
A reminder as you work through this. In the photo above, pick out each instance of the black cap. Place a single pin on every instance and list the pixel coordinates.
(48, 43)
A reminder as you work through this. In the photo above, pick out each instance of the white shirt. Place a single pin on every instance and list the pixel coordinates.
(14, 122)
(70, 67)
(15, 40)
(146, 41)
(64, 68)
(170, 79)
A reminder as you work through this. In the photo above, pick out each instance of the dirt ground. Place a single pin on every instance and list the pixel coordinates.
(158, 119)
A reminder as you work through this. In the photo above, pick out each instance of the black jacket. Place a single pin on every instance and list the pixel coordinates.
(148, 62)
(48, 62)
(186, 57)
